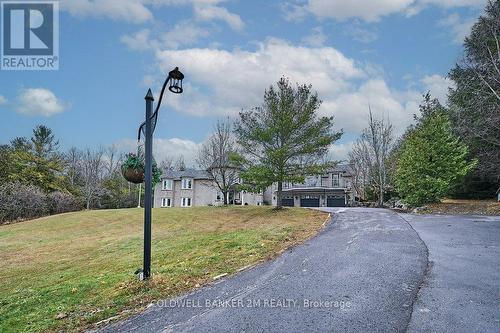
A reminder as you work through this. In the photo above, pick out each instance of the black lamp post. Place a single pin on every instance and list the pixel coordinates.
(147, 128)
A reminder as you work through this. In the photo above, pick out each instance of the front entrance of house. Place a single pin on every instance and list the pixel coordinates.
(233, 197)
(309, 201)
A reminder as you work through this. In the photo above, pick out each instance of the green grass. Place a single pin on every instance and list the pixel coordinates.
(81, 264)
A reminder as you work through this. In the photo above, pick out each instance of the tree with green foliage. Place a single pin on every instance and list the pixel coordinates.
(36, 161)
(48, 163)
(20, 160)
(5, 163)
(475, 103)
(431, 158)
(284, 139)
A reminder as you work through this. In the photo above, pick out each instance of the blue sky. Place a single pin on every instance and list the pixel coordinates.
(385, 53)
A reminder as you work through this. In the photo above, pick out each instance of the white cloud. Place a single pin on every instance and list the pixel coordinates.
(183, 33)
(176, 147)
(163, 148)
(438, 86)
(220, 82)
(3, 100)
(351, 108)
(369, 11)
(454, 3)
(340, 151)
(209, 12)
(127, 10)
(137, 11)
(39, 102)
(458, 27)
(361, 35)
(140, 41)
(293, 12)
(317, 38)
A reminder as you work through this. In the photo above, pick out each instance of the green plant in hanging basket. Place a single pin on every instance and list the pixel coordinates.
(133, 169)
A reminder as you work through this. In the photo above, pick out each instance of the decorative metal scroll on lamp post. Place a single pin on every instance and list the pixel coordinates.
(174, 80)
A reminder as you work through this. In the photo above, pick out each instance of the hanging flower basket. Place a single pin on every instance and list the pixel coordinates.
(133, 168)
(133, 176)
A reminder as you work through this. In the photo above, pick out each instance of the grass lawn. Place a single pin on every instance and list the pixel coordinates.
(68, 271)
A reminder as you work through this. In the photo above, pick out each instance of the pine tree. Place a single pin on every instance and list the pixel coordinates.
(432, 159)
(284, 139)
(475, 103)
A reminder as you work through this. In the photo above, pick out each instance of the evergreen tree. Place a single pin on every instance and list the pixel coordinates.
(20, 161)
(475, 103)
(431, 158)
(284, 139)
(47, 162)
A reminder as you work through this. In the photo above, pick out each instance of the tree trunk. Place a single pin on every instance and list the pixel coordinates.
(381, 189)
(224, 195)
(278, 195)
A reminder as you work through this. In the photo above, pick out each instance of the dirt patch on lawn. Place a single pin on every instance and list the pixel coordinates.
(464, 207)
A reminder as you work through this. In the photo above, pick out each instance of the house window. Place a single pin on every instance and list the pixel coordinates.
(167, 184)
(166, 202)
(186, 202)
(335, 181)
(187, 183)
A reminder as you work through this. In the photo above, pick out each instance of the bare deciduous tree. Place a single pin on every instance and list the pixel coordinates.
(369, 157)
(72, 161)
(214, 156)
(167, 163)
(180, 165)
(112, 160)
(91, 169)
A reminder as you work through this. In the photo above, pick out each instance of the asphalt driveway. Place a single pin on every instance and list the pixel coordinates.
(461, 290)
(360, 274)
(369, 270)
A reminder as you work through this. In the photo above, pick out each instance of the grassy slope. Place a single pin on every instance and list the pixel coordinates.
(81, 264)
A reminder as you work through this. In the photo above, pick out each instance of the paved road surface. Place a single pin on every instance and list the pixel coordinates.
(461, 292)
(361, 274)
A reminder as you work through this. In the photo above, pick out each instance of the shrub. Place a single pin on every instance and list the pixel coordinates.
(19, 201)
(24, 202)
(60, 202)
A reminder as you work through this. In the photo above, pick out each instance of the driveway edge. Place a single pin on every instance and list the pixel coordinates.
(427, 270)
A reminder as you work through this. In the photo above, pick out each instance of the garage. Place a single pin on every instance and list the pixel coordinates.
(337, 200)
(287, 201)
(309, 201)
